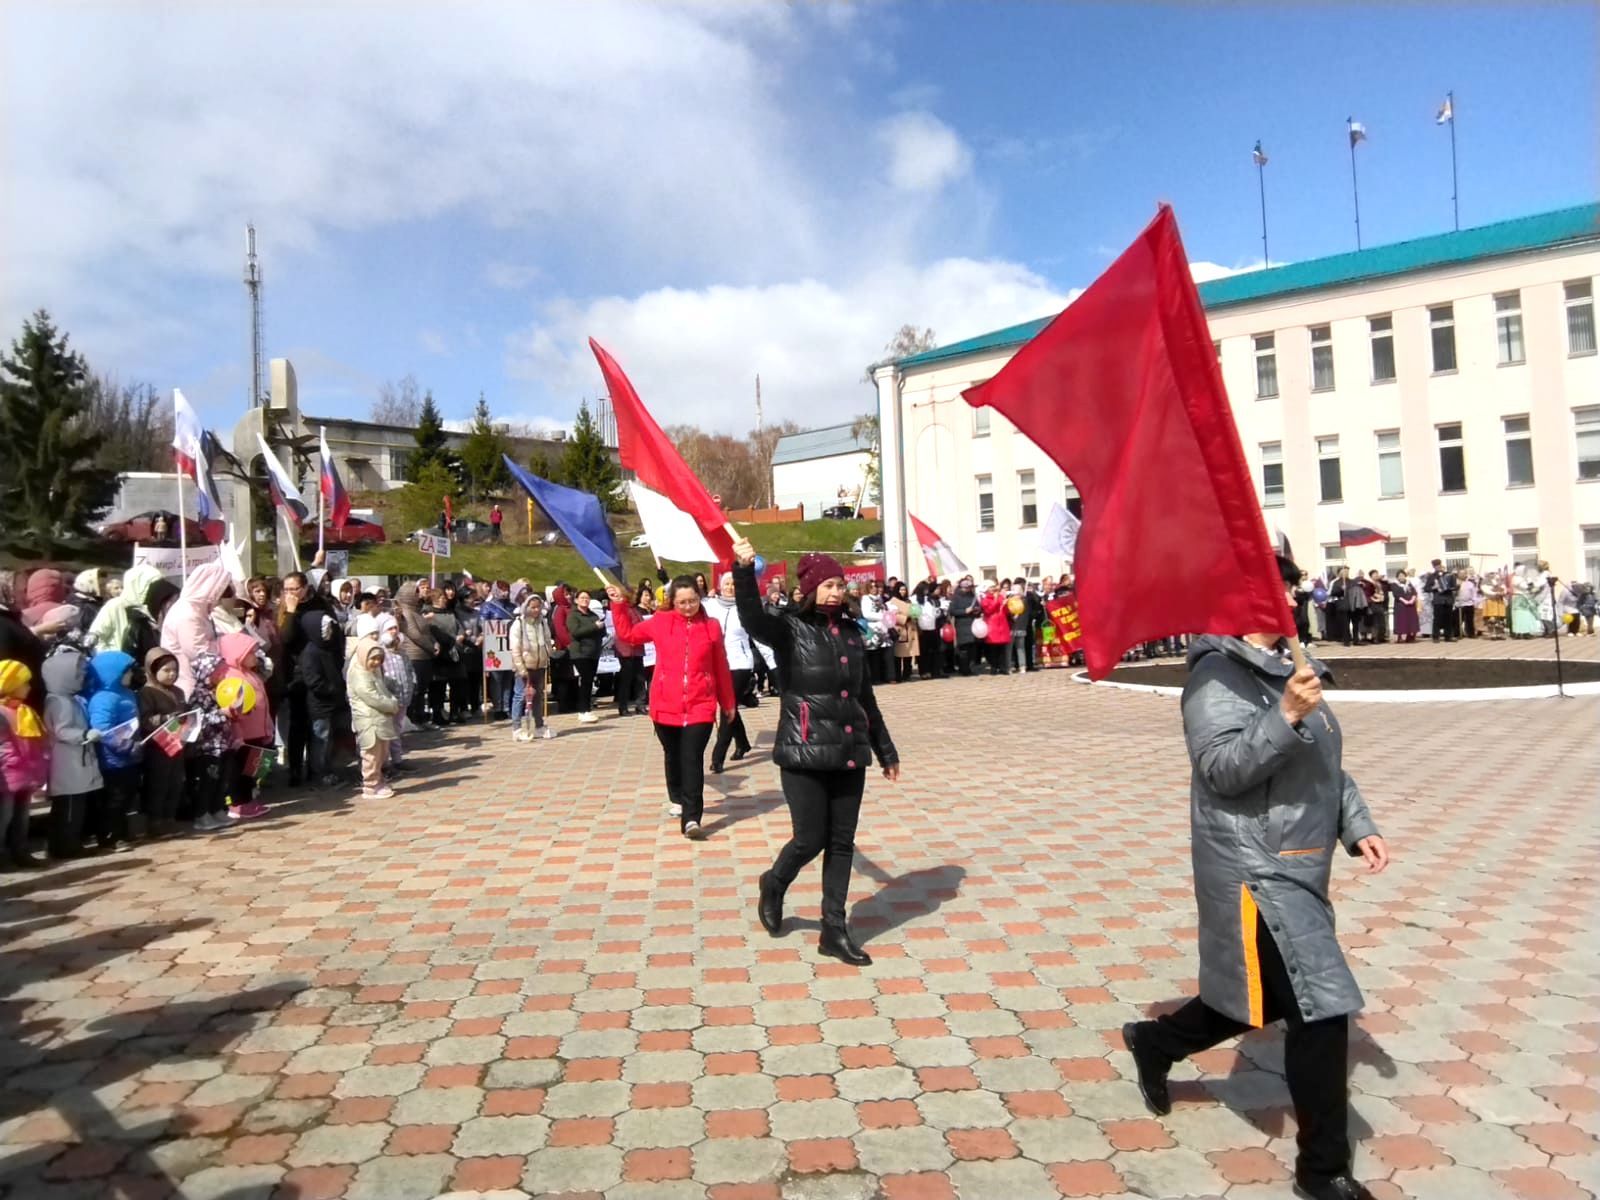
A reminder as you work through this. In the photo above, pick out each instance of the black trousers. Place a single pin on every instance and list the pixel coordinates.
(1316, 1058)
(628, 676)
(586, 667)
(732, 732)
(824, 807)
(299, 733)
(1444, 621)
(930, 654)
(968, 655)
(422, 668)
(118, 798)
(163, 784)
(997, 653)
(1469, 621)
(683, 749)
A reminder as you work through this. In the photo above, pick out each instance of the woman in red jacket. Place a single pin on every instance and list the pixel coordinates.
(998, 638)
(691, 685)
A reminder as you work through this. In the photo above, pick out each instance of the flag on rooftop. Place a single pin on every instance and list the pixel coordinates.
(1258, 155)
(1358, 132)
(1446, 113)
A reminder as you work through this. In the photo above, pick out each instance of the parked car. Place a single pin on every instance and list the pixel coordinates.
(871, 543)
(640, 542)
(839, 512)
(554, 538)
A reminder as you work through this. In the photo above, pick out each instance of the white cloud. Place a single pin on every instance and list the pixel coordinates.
(694, 354)
(924, 152)
(433, 341)
(1204, 272)
(509, 276)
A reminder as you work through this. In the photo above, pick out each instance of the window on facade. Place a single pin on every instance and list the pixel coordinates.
(1391, 476)
(1591, 554)
(1073, 501)
(1027, 499)
(399, 464)
(1442, 326)
(980, 422)
(1030, 570)
(1452, 460)
(1519, 452)
(1586, 424)
(1266, 366)
(988, 573)
(1524, 547)
(1328, 469)
(1272, 474)
(1380, 330)
(985, 501)
(1333, 556)
(1455, 552)
(1321, 358)
(1580, 317)
(1508, 326)
(1394, 555)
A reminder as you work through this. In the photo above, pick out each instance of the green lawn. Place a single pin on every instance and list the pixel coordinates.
(545, 564)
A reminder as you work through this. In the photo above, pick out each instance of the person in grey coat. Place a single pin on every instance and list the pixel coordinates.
(1269, 802)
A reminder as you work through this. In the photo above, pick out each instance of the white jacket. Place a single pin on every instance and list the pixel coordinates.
(734, 639)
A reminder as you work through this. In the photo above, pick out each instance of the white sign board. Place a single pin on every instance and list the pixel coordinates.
(497, 646)
(438, 547)
(169, 560)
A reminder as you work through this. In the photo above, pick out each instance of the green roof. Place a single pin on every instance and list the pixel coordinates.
(1519, 235)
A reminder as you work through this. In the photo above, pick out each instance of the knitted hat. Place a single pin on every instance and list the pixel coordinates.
(815, 568)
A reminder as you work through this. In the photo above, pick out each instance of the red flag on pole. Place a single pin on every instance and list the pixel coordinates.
(1122, 390)
(651, 456)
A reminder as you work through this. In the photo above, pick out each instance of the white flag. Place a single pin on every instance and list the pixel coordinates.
(1060, 533)
(673, 532)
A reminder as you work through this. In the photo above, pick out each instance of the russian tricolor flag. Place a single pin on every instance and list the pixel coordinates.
(285, 496)
(333, 493)
(191, 449)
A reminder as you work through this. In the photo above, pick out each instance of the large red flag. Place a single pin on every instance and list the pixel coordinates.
(1122, 390)
(650, 455)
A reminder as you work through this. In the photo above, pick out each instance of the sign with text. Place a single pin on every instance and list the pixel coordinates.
(170, 560)
(497, 646)
(434, 545)
(865, 573)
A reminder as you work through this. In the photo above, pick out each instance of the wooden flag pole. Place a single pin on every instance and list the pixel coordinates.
(183, 531)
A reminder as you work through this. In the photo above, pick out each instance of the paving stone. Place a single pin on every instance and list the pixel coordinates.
(485, 1137)
(438, 1106)
(335, 1144)
(410, 1177)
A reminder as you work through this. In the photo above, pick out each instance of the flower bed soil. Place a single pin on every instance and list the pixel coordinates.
(1402, 674)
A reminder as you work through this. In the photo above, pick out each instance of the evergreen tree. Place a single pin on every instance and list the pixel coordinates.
(482, 458)
(586, 463)
(50, 485)
(431, 446)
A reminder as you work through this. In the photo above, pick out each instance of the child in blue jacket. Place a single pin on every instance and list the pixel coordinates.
(114, 715)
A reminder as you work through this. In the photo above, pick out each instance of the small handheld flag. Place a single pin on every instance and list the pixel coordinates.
(1360, 535)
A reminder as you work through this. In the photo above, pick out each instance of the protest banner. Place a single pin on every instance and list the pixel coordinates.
(864, 573)
(1063, 614)
(496, 646)
(433, 545)
(170, 560)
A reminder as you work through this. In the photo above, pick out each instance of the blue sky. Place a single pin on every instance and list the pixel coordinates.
(715, 190)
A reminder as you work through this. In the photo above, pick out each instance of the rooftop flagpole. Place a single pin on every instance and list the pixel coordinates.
(1260, 157)
(1357, 133)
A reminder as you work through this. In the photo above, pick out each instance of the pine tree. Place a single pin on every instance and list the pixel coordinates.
(49, 483)
(482, 457)
(431, 444)
(586, 462)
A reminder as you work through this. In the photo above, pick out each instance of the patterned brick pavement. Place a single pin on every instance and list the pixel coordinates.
(516, 979)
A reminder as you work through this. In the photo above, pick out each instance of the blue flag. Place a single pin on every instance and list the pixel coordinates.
(579, 515)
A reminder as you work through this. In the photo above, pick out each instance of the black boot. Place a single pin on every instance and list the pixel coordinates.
(66, 827)
(17, 839)
(770, 907)
(1152, 1068)
(1332, 1187)
(835, 943)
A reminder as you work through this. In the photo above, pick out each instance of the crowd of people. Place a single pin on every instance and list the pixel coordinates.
(1442, 603)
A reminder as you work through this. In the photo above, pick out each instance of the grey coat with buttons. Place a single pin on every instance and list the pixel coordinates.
(1268, 805)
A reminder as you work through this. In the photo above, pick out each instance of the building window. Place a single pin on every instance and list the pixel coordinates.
(1455, 552)
(980, 422)
(1272, 474)
(1322, 358)
(1519, 452)
(985, 502)
(1380, 331)
(1027, 499)
(1391, 475)
(1442, 323)
(1030, 570)
(1508, 327)
(1524, 547)
(1591, 554)
(1328, 469)
(1333, 556)
(989, 574)
(1074, 502)
(399, 463)
(1580, 317)
(1266, 366)
(1394, 556)
(1452, 460)
(1586, 424)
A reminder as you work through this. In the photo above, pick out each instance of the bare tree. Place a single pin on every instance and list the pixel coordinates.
(908, 339)
(398, 403)
(134, 422)
(764, 444)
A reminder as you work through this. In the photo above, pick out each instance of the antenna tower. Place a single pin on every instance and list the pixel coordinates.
(252, 284)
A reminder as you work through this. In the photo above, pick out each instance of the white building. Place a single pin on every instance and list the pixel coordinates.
(1444, 390)
(819, 468)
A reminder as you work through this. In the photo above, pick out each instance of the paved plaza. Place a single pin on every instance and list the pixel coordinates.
(516, 978)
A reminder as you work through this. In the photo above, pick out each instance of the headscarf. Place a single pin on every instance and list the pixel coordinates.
(8, 590)
(111, 625)
(90, 583)
(47, 587)
(15, 679)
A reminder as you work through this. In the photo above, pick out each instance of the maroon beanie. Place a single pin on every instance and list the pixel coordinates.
(814, 568)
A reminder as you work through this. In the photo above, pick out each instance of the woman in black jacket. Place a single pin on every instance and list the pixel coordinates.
(587, 631)
(829, 727)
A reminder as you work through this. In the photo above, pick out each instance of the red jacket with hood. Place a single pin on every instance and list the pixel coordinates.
(691, 681)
